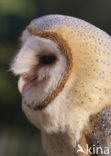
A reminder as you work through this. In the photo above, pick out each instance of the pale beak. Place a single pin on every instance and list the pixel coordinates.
(25, 83)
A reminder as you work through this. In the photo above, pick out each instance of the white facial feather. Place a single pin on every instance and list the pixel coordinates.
(48, 76)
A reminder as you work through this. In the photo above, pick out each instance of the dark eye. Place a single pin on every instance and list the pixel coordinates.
(47, 59)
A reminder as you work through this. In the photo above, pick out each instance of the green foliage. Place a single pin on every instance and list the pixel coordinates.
(19, 140)
(22, 8)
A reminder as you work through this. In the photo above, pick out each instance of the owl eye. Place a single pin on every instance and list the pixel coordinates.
(47, 59)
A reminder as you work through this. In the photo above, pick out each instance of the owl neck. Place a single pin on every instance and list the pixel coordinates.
(58, 144)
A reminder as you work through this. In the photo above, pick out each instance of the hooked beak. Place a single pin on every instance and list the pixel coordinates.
(26, 82)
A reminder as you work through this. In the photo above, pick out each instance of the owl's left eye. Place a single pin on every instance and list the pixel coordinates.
(47, 59)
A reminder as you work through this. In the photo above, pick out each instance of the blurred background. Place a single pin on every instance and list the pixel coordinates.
(17, 136)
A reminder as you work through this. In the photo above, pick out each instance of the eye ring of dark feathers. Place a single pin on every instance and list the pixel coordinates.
(47, 59)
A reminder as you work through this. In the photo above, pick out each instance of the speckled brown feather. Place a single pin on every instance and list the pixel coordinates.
(98, 131)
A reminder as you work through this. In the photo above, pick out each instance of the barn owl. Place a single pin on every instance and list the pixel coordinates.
(64, 68)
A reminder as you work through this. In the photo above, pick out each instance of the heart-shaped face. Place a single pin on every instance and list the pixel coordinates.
(41, 66)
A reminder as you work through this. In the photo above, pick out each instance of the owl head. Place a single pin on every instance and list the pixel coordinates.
(64, 66)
